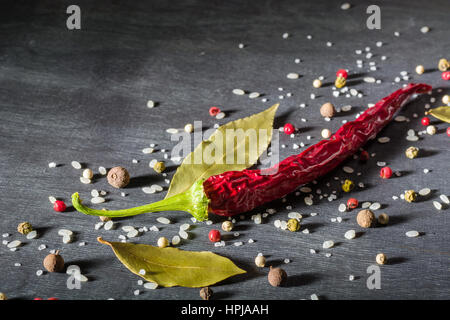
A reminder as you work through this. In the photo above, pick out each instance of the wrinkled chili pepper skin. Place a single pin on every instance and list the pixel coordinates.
(234, 192)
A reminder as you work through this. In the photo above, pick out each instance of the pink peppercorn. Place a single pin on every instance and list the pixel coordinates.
(214, 235)
(352, 203)
(288, 128)
(425, 121)
(59, 206)
(213, 111)
(448, 131)
(386, 173)
(342, 73)
(446, 75)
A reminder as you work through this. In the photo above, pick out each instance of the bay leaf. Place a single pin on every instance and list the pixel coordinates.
(192, 170)
(442, 113)
(170, 267)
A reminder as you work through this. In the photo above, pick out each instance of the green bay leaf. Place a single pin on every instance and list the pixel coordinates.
(442, 113)
(191, 169)
(170, 267)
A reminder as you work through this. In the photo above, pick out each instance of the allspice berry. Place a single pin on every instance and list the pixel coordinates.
(54, 262)
(277, 277)
(24, 228)
(118, 177)
(381, 258)
(206, 293)
(383, 219)
(327, 110)
(365, 218)
(227, 226)
(3, 296)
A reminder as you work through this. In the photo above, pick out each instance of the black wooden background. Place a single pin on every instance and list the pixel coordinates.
(81, 95)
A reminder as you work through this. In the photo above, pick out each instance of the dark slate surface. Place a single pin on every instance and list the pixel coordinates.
(81, 95)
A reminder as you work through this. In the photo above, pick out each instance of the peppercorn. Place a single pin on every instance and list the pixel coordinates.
(293, 225)
(288, 128)
(88, 173)
(448, 131)
(54, 262)
(277, 277)
(381, 258)
(3, 296)
(443, 64)
(227, 226)
(118, 177)
(365, 218)
(445, 75)
(189, 128)
(260, 261)
(213, 111)
(363, 156)
(206, 293)
(24, 228)
(352, 203)
(431, 130)
(411, 152)
(317, 83)
(425, 121)
(446, 99)
(214, 235)
(386, 173)
(340, 82)
(348, 185)
(327, 110)
(342, 73)
(163, 242)
(410, 195)
(383, 219)
(159, 167)
(420, 69)
(59, 206)
(325, 133)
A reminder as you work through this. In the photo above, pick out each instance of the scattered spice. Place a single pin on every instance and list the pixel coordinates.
(206, 293)
(118, 177)
(88, 173)
(383, 219)
(214, 235)
(431, 130)
(24, 228)
(317, 83)
(3, 296)
(163, 242)
(381, 258)
(159, 167)
(327, 110)
(412, 152)
(288, 128)
(410, 195)
(420, 69)
(293, 225)
(260, 261)
(54, 262)
(386, 173)
(227, 226)
(348, 185)
(425, 121)
(352, 203)
(214, 111)
(59, 206)
(340, 82)
(277, 276)
(443, 65)
(365, 218)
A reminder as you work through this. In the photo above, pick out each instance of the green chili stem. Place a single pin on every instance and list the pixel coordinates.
(192, 200)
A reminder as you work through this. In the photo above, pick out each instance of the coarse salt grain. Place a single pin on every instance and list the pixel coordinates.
(67, 239)
(52, 165)
(328, 244)
(342, 207)
(32, 235)
(147, 150)
(350, 234)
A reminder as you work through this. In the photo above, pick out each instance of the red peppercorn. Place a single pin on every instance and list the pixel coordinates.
(288, 128)
(213, 111)
(386, 173)
(352, 203)
(363, 156)
(38, 298)
(214, 235)
(59, 206)
(425, 121)
(52, 298)
(446, 75)
(448, 131)
(342, 73)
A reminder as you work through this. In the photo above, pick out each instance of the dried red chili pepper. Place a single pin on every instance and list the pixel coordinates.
(234, 192)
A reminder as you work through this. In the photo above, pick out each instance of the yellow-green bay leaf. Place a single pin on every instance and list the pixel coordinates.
(170, 267)
(252, 136)
(442, 113)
